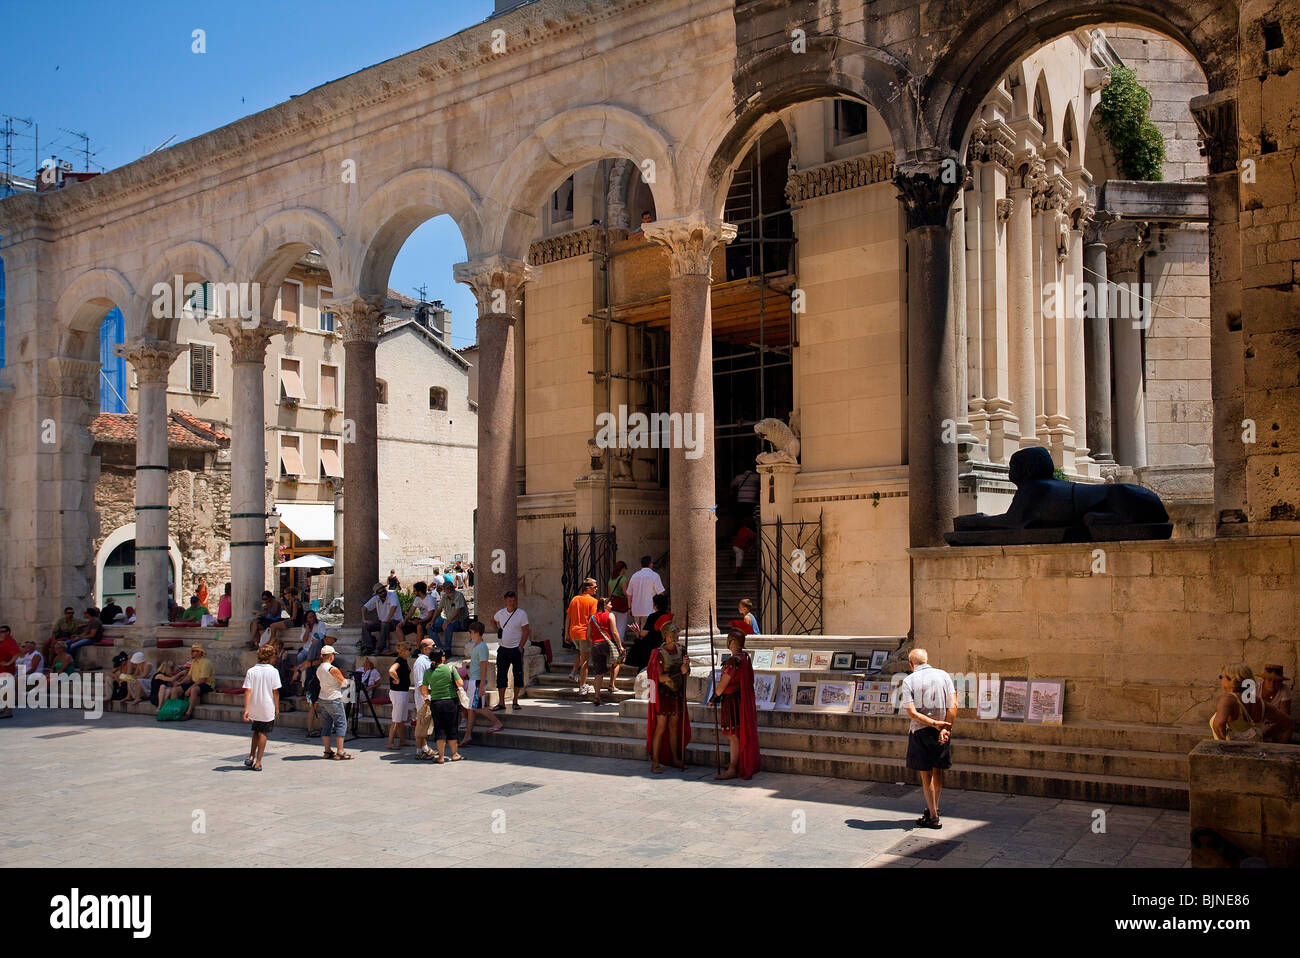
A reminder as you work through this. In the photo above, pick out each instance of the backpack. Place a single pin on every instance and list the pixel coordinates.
(172, 710)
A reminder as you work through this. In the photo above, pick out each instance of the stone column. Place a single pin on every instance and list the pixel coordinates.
(359, 321)
(1076, 406)
(1097, 340)
(1126, 333)
(1216, 115)
(692, 538)
(152, 362)
(966, 441)
(995, 210)
(247, 463)
(1020, 296)
(927, 191)
(339, 580)
(497, 283)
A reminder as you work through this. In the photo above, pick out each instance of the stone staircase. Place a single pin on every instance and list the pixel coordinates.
(733, 586)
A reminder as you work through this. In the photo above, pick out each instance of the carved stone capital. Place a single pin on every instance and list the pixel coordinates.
(691, 241)
(497, 283)
(360, 319)
(247, 343)
(928, 190)
(1082, 214)
(152, 360)
(1028, 171)
(1093, 232)
(64, 376)
(993, 142)
(1005, 208)
(1216, 116)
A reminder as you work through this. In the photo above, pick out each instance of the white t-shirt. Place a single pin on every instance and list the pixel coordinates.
(930, 690)
(262, 680)
(370, 678)
(642, 588)
(427, 605)
(418, 668)
(27, 661)
(513, 633)
(389, 611)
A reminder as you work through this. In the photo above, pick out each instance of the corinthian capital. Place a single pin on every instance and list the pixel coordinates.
(152, 360)
(247, 343)
(360, 318)
(497, 283)
(928, 190)
(691, 241)
(1216, 117)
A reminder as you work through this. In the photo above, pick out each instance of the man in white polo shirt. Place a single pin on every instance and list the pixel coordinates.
(929, 698)
(641, 591)
(512, 636)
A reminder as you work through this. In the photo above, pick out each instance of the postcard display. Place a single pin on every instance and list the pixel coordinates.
(779, 684)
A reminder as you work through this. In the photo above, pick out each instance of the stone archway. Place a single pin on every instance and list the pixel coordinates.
(124, 534)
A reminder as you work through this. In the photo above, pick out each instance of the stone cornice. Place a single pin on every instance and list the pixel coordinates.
(552, 249)
(691, 241)
(355, 95)
(846, 174)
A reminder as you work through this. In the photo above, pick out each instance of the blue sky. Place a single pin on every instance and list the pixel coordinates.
(125, 74)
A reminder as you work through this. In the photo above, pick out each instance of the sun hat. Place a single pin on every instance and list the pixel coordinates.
(137, 658)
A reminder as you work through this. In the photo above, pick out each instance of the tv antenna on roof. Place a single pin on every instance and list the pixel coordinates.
(85, 146)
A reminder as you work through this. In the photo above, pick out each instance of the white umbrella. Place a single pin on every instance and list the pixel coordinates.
(306, 562)
(427, 561)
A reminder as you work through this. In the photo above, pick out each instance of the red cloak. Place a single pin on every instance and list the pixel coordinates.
(652, 717)
(749, 760)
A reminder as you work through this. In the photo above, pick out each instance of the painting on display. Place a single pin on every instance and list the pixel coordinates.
(800, 659)
(878, 658)
(1046, 702)
(841, 661)
(822, 660)
(763, 658)
(989, 693)
(785, 685)
(834, 696)
(1015, 700)
(780, 658)
(765, 690)
(805, 695)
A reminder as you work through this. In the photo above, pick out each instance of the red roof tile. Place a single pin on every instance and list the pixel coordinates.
(120, 429)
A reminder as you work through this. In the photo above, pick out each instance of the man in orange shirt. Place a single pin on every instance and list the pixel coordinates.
(581, 608)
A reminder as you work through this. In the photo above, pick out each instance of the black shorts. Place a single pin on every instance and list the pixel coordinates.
(508, 659)
(925, 753)
(263, 727)
(446, 719)
(599, 663)
(204, 687)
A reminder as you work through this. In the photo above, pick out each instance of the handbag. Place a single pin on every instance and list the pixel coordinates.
(172, 710)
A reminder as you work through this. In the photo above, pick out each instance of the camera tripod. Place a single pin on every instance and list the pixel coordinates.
(363, 693)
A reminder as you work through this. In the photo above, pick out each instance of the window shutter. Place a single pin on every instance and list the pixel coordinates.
(201, 368)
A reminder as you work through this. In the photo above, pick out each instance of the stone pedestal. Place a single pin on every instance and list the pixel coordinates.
(776, 498)
(692, 521)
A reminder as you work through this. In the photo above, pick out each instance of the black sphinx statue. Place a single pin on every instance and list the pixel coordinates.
(1047, 509)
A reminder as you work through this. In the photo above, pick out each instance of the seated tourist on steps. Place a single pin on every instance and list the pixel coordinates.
(197, 682)
(270, 613)
(63, 631)
(454, 614)
(195, 612)
(1241, 715)
(110, 613)
(61, 663)
(164, 681)
(1277, 695)
(424, 609)
(382, 614)
(223, 608)
(140, 673)
(92, 630)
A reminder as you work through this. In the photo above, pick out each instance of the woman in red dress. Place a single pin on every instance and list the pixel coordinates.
(668, 718)
(738, 713)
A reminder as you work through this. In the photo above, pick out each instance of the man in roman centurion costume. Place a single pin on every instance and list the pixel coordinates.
(669, 716)
(738, 712)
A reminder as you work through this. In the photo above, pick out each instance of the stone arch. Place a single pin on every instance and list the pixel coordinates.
(394, 211)
(1070, 138)
(83, 306)
(269, 253)
(1043, 102)
(992, 43)
(779, 79)
(126, 533)
(559, 146)
(195, 262)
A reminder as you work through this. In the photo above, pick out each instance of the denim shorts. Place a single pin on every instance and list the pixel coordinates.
(333, 720)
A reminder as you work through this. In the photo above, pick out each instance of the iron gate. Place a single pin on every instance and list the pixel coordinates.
(587, 554)
(790, 577)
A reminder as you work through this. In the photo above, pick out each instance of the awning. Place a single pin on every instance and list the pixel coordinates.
(329, 461)
(311, 521)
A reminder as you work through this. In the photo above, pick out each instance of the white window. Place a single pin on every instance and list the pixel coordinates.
(291, 380)
(331, 465)
(327, 319)
(291, 454)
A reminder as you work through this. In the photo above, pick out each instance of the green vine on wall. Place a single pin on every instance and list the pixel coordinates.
(1124, 116)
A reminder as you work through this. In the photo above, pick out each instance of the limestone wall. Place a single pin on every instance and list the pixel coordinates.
(1248, 794)
(1142, 642)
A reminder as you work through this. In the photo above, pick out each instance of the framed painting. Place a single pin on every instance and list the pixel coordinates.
(1046, 702)
(785, 686)
(800, 659)
(989, 696)
(762, 658)
(862, 662)
(780, 658)
(878, 657)
(834, 696)
(821, 660)
(1015, 700)
(765, 690)
(841, 661)
(805, 695)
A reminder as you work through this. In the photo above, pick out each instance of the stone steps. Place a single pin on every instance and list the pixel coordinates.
(1148, 792)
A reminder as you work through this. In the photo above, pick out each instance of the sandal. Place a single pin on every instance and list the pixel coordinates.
(657, 768)
(248, 763)
(329, 753)
(499, 728)
(457, 758)
(343, 756)
(257, 768)
(725, 775)
(516, 706)
(439, 760)
(500, 708)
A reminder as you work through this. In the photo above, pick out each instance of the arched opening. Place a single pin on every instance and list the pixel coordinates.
(1093, 350)
(115, 567)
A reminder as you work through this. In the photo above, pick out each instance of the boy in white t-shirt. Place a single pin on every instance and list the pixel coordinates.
(261, 703)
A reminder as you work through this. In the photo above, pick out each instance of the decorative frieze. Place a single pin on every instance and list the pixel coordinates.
(847, 174)
(993, 142)
(64, 376)
(581, 242)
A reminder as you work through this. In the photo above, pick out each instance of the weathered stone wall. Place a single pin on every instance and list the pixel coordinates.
(1140, 643)
(1250, 794)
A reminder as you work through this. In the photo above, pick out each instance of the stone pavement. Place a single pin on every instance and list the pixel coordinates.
(125, 790)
